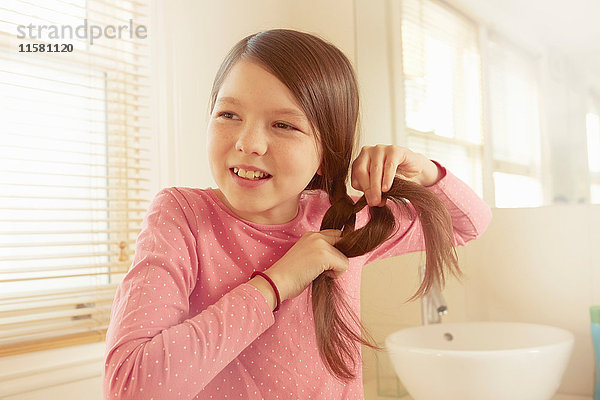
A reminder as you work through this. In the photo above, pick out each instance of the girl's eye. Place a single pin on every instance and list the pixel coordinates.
(226, 114)
(284, 126)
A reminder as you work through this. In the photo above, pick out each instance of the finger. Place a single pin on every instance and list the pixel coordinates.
(392, 161)
(342, 267)
(360, 171)
(331, 236)
(331, 232)
(362, 177)
(338, 268)
(334, 274)
(375, 178)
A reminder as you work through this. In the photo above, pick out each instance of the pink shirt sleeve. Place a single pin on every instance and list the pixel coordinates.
(470, 218)
(153, 345)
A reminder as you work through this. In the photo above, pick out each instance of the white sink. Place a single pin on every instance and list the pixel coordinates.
(481, 360)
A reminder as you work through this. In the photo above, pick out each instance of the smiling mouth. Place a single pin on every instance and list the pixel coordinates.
(251, 176)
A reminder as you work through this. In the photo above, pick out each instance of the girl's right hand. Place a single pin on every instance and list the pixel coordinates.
(310, 256)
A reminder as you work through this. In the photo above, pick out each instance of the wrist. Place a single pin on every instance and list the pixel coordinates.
(431, 174)
(266, 289)
(277, 281)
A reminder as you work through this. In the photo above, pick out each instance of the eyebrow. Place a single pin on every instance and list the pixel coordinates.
(228, 100)
(287, 111)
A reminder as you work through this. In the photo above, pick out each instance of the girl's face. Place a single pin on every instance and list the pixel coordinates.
(256, 124)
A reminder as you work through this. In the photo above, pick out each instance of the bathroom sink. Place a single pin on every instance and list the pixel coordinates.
(480, 360)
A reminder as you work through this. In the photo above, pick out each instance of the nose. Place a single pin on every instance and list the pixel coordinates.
(252, 139)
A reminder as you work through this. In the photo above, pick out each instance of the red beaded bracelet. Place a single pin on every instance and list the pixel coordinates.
(272, 284)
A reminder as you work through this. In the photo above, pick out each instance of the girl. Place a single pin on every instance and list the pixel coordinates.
(246, 291)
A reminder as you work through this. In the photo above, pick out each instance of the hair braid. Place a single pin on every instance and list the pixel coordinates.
(329, 302)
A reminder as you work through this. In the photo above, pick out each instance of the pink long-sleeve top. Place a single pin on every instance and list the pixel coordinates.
(186, 324)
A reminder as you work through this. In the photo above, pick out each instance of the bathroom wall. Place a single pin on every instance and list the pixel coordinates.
(553, 271)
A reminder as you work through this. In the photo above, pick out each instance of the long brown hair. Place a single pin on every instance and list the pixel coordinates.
(322, 80)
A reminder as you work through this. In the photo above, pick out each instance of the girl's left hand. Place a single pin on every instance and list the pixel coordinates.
(376, 166)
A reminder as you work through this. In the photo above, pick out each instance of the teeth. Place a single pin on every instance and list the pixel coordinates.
(249, 174)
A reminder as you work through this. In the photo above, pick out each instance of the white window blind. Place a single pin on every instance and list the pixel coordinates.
(441, 74)
(73, 170)
(515, 129)
(593, 147)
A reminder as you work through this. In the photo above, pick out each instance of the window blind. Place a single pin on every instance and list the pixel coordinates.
(441, 81)
(74, 164)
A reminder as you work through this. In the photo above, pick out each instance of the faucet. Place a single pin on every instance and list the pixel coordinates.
(433, 305)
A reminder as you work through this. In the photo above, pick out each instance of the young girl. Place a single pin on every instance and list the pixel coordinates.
(247, 291)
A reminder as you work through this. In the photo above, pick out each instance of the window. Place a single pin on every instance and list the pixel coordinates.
(440, 70)
(73, 168)
(441, 81)
(514, 125)
(593, 147)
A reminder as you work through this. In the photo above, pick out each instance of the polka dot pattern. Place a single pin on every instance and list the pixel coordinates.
(186, 324)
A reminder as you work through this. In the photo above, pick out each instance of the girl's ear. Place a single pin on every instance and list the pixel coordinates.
(319, 171)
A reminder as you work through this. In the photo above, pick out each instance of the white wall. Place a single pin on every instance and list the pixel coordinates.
(546, 271)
